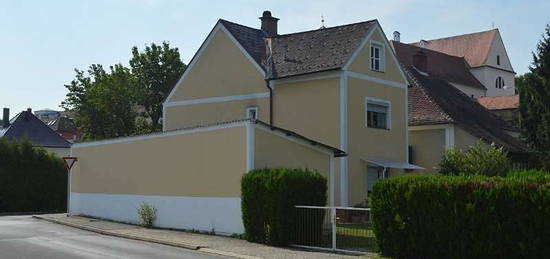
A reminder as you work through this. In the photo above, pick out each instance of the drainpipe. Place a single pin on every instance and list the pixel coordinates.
(270, 102)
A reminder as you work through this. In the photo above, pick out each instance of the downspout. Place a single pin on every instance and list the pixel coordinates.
(269, 76)
(270, 102)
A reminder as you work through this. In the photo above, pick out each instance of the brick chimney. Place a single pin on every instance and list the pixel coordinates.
(6, 118)
(420, 61)
(269, 24)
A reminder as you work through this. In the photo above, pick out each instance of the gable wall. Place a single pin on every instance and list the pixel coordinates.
(488, 75)
(361, 63)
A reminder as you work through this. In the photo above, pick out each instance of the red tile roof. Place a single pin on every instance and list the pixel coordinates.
(474, 47)
(500, 102)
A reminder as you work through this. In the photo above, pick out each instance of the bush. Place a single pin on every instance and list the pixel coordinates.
(467, 216)
(31, 179)
(268, 200)
(147, 215)
(479, 159)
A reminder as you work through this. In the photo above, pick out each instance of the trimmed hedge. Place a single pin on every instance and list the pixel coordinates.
(463, 216)
(31, 179)
(268, 200)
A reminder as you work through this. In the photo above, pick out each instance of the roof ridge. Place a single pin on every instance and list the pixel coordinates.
(430, 50)
(327, 28)
(234, 23)
(457, 36)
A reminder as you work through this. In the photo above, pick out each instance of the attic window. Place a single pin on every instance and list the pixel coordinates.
(499, 83)
(498, 60)
(377, 56)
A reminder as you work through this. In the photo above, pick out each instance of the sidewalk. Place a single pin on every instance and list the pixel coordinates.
(219, 245)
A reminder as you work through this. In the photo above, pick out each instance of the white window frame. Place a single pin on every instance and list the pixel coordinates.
(251, 108)
(381, 58)
(378, 102)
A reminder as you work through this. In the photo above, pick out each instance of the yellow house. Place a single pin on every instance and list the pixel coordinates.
(332, 99)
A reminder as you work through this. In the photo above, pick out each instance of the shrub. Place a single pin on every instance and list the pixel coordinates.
(479, 159)
(147, 215)
(467, 216)
(268, 200)
(31, 179)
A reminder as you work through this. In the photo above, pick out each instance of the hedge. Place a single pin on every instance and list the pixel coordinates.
(31, 179)
(463, 216)
(268, 200)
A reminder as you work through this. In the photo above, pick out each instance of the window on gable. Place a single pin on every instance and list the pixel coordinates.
(377, 57)
(499, 83)
(498, 60)
(252, 113)
(378, 114)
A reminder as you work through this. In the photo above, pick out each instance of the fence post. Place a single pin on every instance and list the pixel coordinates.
(333, 212)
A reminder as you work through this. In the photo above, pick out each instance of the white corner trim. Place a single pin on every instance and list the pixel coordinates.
(159, 135)
(450, 137)
(163, 117)
(294, 139)
(250, 146)
(204, 45)
(382, 102)
(344, 139)
(332, 184)
(407, 124)
(217, 99)
(375, 79)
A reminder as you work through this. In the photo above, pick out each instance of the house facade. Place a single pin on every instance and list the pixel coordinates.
(333, 99)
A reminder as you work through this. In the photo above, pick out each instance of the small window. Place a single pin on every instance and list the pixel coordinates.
(252, 113)
(377, 57)
(498, 60)
(378, 114)
(499, 83)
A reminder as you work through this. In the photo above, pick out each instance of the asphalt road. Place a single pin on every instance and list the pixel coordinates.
(26, 237)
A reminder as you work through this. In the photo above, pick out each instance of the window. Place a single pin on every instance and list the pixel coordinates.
(252, 113)
(378, 114)
(498, 60)
(499, 83)
(377, 57)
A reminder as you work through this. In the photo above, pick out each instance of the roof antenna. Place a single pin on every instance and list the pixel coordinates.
(322, 22)
(492, 25)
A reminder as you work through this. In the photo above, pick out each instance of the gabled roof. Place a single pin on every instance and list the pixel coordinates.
(450, 68)
(433, 100)
(25, 124)
(500, 102)
(302, 52)
(474, 47)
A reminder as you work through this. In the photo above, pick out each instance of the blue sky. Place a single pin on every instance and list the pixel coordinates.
(42, 42)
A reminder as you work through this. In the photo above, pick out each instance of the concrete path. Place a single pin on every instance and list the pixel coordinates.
(27, 237)
(217, 245)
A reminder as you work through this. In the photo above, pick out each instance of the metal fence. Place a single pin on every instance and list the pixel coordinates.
(334, 228)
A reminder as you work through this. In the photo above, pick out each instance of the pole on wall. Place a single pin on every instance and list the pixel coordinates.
(69, 162)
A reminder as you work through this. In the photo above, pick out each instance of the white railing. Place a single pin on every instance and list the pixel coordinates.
(345, 229)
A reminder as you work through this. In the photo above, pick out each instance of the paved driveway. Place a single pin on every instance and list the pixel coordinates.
(25, 237)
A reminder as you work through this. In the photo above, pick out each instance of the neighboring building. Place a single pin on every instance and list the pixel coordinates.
(26, 125)
(506, 107)
(442, 116)
(332, 99)
(46, 115)
(486, 56)
(60, 123)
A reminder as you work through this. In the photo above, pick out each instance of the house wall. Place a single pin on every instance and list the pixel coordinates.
(221, 69)
(361, 63)
(470, 91)
(275, 151)
(464, 140)
(203, 114)
(192, 178)
(370, 143)
(488, 75)
(428, 147)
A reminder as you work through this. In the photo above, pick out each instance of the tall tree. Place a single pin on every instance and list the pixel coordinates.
(103, 102)
(534, 91)
(156, 69)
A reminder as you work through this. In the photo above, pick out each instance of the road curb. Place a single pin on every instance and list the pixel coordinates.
(202, 249)
(109, 233)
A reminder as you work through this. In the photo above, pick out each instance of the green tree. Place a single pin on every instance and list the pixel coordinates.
(479, 159)
(157, 70)
(103, 102)
(534, 91)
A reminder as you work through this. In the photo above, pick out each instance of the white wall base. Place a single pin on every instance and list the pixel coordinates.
(223, 215)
